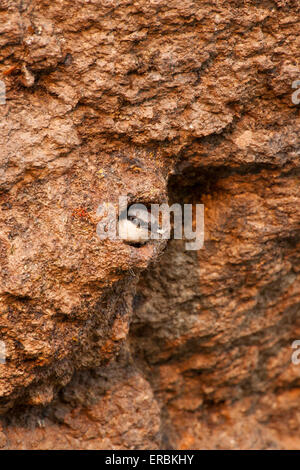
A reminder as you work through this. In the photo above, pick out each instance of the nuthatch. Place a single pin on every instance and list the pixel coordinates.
(136, 227)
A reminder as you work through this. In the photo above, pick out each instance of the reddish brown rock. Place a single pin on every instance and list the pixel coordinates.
(153, 100)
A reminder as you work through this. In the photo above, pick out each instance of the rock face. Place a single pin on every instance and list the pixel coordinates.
(110, 345)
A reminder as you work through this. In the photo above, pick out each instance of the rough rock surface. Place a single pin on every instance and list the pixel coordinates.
(182, 100)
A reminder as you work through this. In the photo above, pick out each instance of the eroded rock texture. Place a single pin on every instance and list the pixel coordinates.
(114, 346)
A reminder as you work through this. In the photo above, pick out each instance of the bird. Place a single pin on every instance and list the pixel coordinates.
(137, 225)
